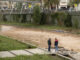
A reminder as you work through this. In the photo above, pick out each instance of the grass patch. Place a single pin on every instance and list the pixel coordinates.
(35, 57)
(7, 44)
(29, 25)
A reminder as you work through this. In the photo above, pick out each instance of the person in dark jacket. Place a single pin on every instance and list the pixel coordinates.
(56, 45)
(49, 44)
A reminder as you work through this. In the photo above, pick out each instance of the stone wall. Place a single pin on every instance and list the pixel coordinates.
(10, 18)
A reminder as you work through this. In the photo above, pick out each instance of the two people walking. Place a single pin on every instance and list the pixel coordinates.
(55, 44)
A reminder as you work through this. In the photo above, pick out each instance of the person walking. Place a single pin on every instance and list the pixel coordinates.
(56, 44)
(49, 44)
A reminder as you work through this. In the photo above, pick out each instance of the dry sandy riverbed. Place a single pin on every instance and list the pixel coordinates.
(40, 37)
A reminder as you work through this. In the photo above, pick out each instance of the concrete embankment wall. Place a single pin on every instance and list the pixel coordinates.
(75, 17)
(14, 18)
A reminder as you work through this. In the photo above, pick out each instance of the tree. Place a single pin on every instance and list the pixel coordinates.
(1, 17)
(23, 18)
(72, 2)
(56, 2)
(75, 22)
(4, 18)
(36, 15)
(76, 1)
(49, 3)
(60, 17)
(68, 21)
(43, 18)
(53, 18)
(18, 5)
(16, 17)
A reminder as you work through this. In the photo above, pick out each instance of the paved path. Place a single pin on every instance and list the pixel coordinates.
(76, 56)
(14, 53)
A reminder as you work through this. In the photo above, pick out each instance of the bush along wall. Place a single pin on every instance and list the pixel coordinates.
(68, 21)
(59, 17)
(75, 22)
(36, 15)
(43, 18)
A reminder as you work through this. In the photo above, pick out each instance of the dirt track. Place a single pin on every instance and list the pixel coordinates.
(39, 37)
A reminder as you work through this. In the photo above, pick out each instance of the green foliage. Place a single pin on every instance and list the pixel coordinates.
(18, 5)
(36, 15)
(23, 20)
(76, 24)
(76, 1)
(43, 18)
(49, 3)
(16, 17)
(56, 2)
(11, 44)
(4, 18)
(71, 3)
(1, 17)
(60, 17)
(68, 21)
(19, 18)
(53, 17)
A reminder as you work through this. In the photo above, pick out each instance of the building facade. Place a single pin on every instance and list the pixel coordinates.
(11, 4)
(64, 4)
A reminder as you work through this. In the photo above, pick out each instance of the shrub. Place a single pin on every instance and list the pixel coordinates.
(23, 19)
(16, 17)
(4, 18)
(53, 18)
(76, 24)
(68, 21)
(60, 17)
(36, 15)
(1, 17)
(43, 18)
(18, 5)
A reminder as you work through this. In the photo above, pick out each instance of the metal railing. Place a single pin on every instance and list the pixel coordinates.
(30, 11)
(35, 1)
(27, 11)
(23, 11)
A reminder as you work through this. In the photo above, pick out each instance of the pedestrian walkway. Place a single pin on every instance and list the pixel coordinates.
(76, 56)
(14, 53)
(29, 52)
